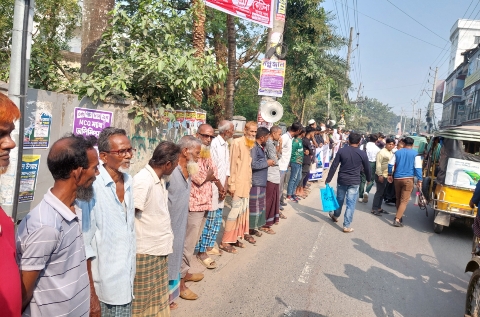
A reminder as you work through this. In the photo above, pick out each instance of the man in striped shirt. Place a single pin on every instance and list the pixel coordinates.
(50, 246)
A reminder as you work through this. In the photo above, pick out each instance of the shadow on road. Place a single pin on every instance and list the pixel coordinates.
(412, 286)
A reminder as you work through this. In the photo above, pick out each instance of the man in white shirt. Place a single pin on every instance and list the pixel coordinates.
(220, 154)
(286, 145)
(372, 151)
(153, 232)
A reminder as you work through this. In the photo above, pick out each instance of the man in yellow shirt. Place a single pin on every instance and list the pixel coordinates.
(381, 174)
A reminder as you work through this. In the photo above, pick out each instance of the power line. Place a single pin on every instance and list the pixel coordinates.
(416, 20)
(392, 27)
(394, 87)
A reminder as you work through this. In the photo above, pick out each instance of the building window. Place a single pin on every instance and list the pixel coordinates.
(477, 39)
(475, 107)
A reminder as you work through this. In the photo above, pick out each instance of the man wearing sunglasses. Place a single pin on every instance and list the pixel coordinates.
(108, 226)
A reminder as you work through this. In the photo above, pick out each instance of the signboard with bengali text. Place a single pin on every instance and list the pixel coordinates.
(258, 11)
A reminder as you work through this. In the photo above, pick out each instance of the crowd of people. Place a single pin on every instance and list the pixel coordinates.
(105, 243)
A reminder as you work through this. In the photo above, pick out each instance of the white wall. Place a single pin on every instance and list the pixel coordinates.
(462, 38)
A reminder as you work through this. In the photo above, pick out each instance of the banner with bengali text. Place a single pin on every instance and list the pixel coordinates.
(257, 11)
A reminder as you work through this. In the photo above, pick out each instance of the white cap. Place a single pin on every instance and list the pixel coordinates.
(311, 121)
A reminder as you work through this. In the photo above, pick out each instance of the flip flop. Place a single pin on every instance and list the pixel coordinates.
(188, 295)
(282, 216)
(208, 263)
(267, 230)
(214, 251)
(249, 239)
(257, 233)
(228, 249)
(238, 244)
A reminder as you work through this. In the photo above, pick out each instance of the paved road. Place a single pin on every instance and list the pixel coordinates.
(311, 268)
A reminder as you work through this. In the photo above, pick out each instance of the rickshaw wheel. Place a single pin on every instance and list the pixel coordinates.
(472, 305)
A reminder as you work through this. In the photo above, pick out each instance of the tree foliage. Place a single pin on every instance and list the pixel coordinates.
(372, 116)
(148, 56)
(54, 24)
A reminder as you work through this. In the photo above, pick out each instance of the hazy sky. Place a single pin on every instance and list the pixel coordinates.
(392, 66)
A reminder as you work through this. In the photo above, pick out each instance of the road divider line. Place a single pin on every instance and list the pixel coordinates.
(307, 268)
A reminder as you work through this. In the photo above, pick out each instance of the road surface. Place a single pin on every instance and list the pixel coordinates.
(311, 268)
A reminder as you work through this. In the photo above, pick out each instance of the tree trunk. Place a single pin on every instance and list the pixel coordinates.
(232, 65)
(95, 22)
(198, 37)
(216, 93)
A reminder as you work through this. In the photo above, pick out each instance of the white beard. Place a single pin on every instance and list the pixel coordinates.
(192, 167)
(124, 170)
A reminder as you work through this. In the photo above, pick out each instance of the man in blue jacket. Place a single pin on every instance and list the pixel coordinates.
(260, 165)
(403, 166)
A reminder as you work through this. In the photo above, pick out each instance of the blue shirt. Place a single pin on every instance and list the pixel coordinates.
(109, 236)
(259, 166)
(407, 163)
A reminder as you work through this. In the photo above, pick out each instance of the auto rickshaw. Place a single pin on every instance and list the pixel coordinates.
(451, 171)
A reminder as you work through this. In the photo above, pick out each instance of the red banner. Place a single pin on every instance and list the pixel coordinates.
(258, 11)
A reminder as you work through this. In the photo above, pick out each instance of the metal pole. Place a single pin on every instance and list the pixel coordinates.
(17, 92)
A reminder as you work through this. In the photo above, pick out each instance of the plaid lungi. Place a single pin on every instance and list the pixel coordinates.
(210, 230)
(116, 310)
(257, 207)
(151, 287)
(236, 225)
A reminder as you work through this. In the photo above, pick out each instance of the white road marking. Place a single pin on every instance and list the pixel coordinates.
(308, 266)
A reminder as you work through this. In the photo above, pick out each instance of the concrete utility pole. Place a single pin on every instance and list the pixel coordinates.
(419, 121)
(275, 36)
(328, 103)
(412, 127)
(430, 116)
(404, 120)
(17, 92)
(349, 56)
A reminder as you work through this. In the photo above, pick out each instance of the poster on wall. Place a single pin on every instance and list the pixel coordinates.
(28, 177)
(462, 173)
(272, 78)
(316, 169)
(38, 124)
(88, 122)
(257, 11)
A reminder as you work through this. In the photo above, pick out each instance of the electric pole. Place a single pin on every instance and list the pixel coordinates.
(429, 116)
(349, 55)
(328, 103)
(275, 40)
(412, 127)
(401, 119)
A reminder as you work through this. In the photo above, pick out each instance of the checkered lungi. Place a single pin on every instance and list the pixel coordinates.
(151, 287)
(210, 230)
(257, 204)
(116, 310)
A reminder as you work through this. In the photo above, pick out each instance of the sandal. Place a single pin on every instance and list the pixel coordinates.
(383, 211)
(347, 230)
(282, 216)
(256, 233)
(267, 230)
(334, 219)
(228, 249)
(376, 212)
(250, 239)
(214, 251)
(238, 244)
(208, 263)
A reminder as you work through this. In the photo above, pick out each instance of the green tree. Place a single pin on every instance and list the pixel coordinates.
(148, 56)
(55, 22)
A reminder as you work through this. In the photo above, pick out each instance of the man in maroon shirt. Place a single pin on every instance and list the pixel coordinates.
(10, 292)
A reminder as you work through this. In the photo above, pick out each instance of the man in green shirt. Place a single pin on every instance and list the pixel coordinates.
(296, 162)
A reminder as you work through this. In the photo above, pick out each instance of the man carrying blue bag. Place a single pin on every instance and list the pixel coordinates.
(352, 160)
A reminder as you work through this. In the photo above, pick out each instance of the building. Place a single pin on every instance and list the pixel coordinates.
(464, 35)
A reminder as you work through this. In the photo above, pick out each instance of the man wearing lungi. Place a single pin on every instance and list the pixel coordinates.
(260, 165)
(153, 232)
(239, 184)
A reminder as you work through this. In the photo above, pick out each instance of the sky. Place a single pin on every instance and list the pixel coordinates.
(392, 66)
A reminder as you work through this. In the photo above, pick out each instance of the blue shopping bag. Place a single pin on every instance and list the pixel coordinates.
(329, 200)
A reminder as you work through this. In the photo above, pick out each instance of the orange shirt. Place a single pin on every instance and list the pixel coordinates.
(240, 180)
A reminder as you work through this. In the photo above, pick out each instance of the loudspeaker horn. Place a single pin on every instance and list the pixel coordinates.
(271, 111)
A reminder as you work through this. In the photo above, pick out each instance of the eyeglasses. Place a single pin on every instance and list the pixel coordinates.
(207, 136)
(123, 153)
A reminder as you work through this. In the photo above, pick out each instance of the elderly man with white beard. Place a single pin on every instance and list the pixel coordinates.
(221, 158)
(200, 204)
(109, 230)
(179, 188)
